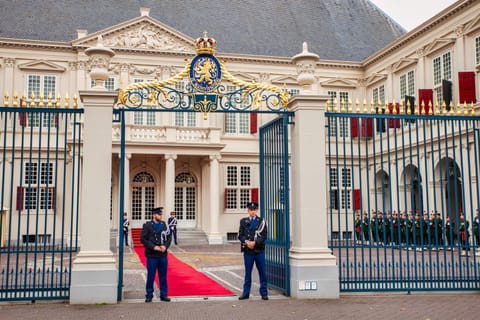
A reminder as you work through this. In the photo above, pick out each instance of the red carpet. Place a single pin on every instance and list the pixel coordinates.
(184, 280)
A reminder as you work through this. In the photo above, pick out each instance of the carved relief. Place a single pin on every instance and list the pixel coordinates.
(72, 66)
(459, 30)
(146, 37)
(305, 67)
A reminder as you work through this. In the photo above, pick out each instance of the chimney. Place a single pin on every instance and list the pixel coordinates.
(144, 12)
(81, 33)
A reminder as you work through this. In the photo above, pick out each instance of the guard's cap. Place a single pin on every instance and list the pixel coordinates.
(157, 210)
(252, 205)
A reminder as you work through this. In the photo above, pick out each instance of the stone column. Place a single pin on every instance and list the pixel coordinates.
(9, 77)
(94, 271)
(126, 187)
(169, 183)
(310, 257)
(311, 261)
(213, 235)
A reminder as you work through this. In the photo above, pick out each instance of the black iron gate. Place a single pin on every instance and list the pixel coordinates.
(39, 199)
(403, 200)
(274, 199)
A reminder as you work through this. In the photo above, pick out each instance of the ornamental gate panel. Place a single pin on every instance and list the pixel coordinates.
(403, 200)
(275, 201)
(39, 199)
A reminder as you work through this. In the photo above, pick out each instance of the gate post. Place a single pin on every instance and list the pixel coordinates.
(94, 271)
(313, 267)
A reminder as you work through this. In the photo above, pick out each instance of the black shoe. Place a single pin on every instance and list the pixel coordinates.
(264, 297)
(166, 299)
(244, 297)
(147, 300)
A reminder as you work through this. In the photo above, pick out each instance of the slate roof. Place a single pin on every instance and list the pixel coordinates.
(348, 30)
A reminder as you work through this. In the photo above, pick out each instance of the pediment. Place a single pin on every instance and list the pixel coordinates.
(403, 63)
(244, 76)
(285, 80)
(473, 25)
(341, 83)
(143, 33)
(438, 44)
(374, 78)
(41, 65)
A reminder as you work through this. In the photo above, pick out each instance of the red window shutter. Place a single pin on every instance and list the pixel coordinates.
(355, 127)
(394, 123)
(254, 196)
(225, 199)
(22, 116)
(51, 194)
(56, 120)
(356, 199)
(425, 96)
(367, 127)
(466, 83)
(20, 192)
(253, 122)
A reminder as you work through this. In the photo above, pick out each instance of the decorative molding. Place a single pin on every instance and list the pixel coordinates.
(145, 35)
(288, 80)
(41, 65)
(403, 63)
(459, 30)
(215, 157)
(439, 44)
(472, 26)
(374, 78)
(170, 157)
(337, 82)
(9, 62)
(244, 76)
(420, 52)
(72, 66)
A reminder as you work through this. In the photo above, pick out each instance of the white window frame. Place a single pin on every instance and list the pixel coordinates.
(343, 190)
(407, 84)
(238, 184)
(142, 118)
(237, 123)
(111, 83)
(339, 126)
(442, 70)
(477, 51)
(38, 184)
(41, 92)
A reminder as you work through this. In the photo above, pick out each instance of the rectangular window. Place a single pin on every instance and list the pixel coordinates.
(477, 51)
(38, 190)
(143, 117)
(239, 187)
(378, 98)
(110, 84)
(41, 87)
(237, 123)
(339, 126)
(345, 191)
(442, 70)
(407, 84)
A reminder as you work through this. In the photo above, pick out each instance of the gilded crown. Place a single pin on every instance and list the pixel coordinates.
(205, 44)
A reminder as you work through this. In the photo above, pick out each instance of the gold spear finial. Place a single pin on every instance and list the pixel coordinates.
(24, 100)
(75, 102)
(357, 106)
(41, 104)
(342, 103)
(67, 101)
(350, 108)
(15, 99)
(335, 105)
(327, 109)
(32, 100)
(49, 100)
(365, 110)
(7, 98)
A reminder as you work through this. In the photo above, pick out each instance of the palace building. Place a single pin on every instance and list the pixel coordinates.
(362, 54)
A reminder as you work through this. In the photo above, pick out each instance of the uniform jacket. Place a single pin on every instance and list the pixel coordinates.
(254, 230)
(172, 223)
(151, 238)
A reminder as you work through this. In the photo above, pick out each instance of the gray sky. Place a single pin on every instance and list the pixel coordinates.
(411, 13)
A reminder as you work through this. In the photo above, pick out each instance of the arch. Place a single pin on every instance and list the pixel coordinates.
(142, 196)
(450, 187)
(383, 186)
(185, 201)
(412, 188)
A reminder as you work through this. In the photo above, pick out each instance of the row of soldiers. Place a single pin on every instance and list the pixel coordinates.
(415, 230)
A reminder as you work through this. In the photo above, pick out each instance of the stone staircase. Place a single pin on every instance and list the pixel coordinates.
(191, 237)
(185, 237)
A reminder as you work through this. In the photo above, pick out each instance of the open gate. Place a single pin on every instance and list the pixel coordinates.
(39, 199)
(403, 200)
(274, 200)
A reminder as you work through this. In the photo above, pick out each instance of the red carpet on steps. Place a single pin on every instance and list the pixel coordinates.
(184, 280)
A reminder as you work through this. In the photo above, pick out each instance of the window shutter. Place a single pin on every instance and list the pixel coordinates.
(447, 92)
(254, 196)
(356, 199)
(354, 126)
(20, 192)
(253, 122)
(56, 120)
(466, 83)
(51, 194)
(425, 96)
(367, 127)
(22, 116)
(225, 199)
(394, 123)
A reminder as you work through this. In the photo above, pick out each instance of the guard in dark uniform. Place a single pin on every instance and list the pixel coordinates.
(156, 238)
(252, 235)
(172, 224)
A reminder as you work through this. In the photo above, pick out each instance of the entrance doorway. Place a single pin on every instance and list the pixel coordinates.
(143, 198)
(185, 200)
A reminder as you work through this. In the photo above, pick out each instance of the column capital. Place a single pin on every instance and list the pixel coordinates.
(215, 157)
(128, 156)
(170, 156)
